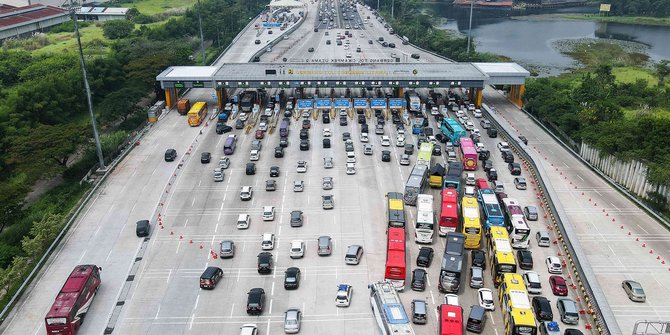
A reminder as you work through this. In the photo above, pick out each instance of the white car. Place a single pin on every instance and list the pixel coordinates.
(343, 112)
(486, 299)
(444, 110)
(434, 111)
(328, 162)
(297, 249)
(386, 141)
(244, 116)
(348, 54)
(470, 191)
(533, 283)
(477, 113)
(480, 147)
(254, 155)
(469, 125)
(432, 139)
(503, 146)
(302, 167)
(326, 132)
(475, 131)
(268, 241)
(343, 297)
(298, 186)
(365, 138)
(351, 157)
(470, 179)
(401, 131)
(404, 159)
(351, 168)
(451, 299)
(400, 141)
(268, 112)
(554, 265)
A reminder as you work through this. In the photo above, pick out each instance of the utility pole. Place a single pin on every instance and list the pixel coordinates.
(470, 27)
(377, 5)
(392, 7)
(202, 39)
(96, 137)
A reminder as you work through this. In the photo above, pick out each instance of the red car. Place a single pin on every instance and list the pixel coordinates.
(260, 134)
(558, 285)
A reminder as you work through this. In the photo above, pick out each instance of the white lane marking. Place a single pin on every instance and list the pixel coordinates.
(218, 219)
(492, 321)
(646, 232)
(157, 311)
(427, 280)
(279, 231)
(216, 229)
(238, 274)
(303, 309)
(272, 292)
(108, 254)
(193, 202)
(432, 297)
(580, 177)
(82, 256)
(185, 223)
(268, 327)
(168, 277)
(612, 250)
(190, 324)
(232, 309)
(178, 245)
(271, 306)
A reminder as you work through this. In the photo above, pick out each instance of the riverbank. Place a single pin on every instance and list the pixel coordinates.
(635, 20)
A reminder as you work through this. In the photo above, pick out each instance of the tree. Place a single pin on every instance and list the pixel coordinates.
(11, 204)
(662, 71)
(117, 29)
(12, 62)
(120, 104)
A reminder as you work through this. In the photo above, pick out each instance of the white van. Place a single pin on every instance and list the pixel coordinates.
(243, 221)
(268, 213)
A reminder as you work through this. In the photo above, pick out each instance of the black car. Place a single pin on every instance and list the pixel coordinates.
(425, 257)
(251, 169)
(492, 174)
(478, 258)
(291, 278)
(437, 150)
(428, 131)
(542, 307)
(487, 164)
(239, 124)
(343, 121)
(525, 259)
(364, 128)
(415, 56)
(507, 156)
(325, 117)
(310, 49)
(265, 262)
(222, 128)
(440, 137)
(304, 145)
(306, 124)
(396, 119)
(484, 154)
(170, 155)
(283, 142)
(326, 143)
(304, 134)
(514, 169)
(142, 228)
(523, 139)
(346, 136)
(572, 331)
(296, 219)
(255, 301)
(274, 171)
(419, 280)
(361, 118)
(279, 152)
(386, 156)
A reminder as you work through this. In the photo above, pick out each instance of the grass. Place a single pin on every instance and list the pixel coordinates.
(643, 20)
(152, 7)
(92, 40)
(629, 74)
(593, 53)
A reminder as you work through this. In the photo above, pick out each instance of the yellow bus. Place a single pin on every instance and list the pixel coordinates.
(471, 226)
(515, 305)
(197, 113)
(500, 251)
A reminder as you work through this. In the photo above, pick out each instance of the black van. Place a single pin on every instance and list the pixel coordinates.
(210, 277)
(492, 132)
(326, 143)
(477, 319)
(142, 228)
(419, 310)
(170, 155)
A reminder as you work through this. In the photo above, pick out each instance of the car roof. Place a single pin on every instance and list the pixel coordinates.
(343, 287)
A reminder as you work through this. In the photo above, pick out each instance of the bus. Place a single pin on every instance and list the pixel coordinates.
(418, 124)
(451, 320)
(517, 227)
(395, 210)
(425, 154)
(452, 130)
(425, 219)
(470, 225)
(197, 113)
(518, 316)
(395, 272)
(449, 212)
(387, 309)
(415, 183)
(492, 212)
(500, 252)
(468, 153)
(452, 263)
(453, 177)
(72, 302)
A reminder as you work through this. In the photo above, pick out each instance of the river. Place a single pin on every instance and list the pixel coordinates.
(529, 40)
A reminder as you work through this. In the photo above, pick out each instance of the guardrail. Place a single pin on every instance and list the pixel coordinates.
(602, 175)
(279, 37)
(593, 296)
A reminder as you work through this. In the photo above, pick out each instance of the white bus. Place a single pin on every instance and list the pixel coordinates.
(387, 309)
(517, 227)
(425, 219)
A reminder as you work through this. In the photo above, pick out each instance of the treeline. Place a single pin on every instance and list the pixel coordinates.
(417, 26)
(617, 118)
(655, 8)
(45, 127)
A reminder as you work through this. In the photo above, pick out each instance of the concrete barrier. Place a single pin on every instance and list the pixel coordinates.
(279, 37)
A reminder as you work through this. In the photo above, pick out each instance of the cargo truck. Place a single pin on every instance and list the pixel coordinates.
(183, 106)
(436, 178)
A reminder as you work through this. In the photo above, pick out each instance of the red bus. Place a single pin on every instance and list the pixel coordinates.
(72, 302)
(468, 153)
(449, 211)
(396, 269)
(451, 320)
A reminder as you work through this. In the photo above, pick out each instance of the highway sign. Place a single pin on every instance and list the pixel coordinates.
(378, 103)
(342, 103)
(360, 103)
(305, 104)
(324, 103)
(396, 103)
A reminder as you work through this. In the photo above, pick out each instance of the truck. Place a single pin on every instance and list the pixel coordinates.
(183, 106)
(249, 98)
(436, 177)
(413, 101)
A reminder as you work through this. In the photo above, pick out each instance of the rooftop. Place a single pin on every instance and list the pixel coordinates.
(11, 16)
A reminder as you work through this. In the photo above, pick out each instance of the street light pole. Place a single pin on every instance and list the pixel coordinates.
(96, 137)
(202, 39)
(470, 28)
(392, 7)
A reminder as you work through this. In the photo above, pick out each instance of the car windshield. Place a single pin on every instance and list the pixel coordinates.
(290, 279)
(638, 290)
(291, 322)
(341, 295)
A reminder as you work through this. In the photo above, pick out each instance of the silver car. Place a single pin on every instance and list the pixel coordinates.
(327, 183)
(634, 290)
(227, 249)
(292, 319)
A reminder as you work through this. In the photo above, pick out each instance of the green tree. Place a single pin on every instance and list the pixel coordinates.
(12, 62)
(11, 203)
(117, 29)
(662, 71)
(120, 104)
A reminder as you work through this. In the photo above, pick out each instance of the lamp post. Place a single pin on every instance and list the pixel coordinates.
(96, 137)
(470, 28)
(202, 39)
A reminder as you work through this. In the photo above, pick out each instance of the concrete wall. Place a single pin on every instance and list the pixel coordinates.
(632, 174)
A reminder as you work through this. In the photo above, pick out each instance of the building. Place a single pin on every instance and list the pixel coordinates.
(24, 21)
(101, 13)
